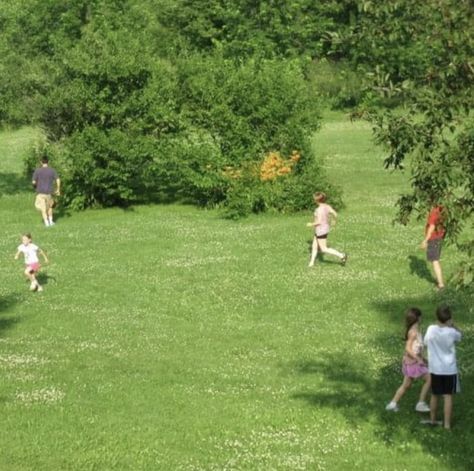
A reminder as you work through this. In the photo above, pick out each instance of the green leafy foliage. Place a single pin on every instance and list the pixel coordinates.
(435, 128)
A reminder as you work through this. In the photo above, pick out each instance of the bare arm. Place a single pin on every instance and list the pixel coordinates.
(17, 255)
(314, 223)
(58, 186)
(428, 234)
(409, 346)
(44, 256)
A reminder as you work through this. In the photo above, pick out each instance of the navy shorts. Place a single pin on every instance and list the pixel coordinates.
(444, 384)
(433, 251)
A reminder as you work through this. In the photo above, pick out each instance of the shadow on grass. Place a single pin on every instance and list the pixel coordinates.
(6, 302)
(12, 183)
(352, 387)
(43, 278)
(419, 268)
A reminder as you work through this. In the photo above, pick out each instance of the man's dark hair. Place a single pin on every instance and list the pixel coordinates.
(443, 313)
(44, 160)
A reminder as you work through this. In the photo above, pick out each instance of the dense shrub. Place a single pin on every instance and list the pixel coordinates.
(128, 121)
(277, 183)
(133, 128)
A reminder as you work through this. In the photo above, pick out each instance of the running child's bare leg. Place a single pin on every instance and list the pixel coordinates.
(407, 382)
(314, 252)
(325, 249)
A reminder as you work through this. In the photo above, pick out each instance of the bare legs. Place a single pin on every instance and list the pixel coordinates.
(425, 388)
(322, 245)
(314, 252)
(407, 382)
(438, 274)
(32, 278)
(447, 409)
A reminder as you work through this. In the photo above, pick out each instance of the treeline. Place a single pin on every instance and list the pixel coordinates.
(215, 101)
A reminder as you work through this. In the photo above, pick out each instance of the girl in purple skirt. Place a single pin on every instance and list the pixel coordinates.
(413, 363)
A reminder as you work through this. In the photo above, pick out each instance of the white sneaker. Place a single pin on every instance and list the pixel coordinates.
(422, 407)
(393, 406)
(40, 288)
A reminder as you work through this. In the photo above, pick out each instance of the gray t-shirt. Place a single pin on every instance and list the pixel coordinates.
(45, 178)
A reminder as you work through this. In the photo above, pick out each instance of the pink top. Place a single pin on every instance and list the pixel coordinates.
(322, 216)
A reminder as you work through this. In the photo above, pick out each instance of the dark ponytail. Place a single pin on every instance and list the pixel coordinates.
(412, 316)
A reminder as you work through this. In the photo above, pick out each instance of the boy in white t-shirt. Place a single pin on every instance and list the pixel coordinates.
(30, 251)
(440, 340)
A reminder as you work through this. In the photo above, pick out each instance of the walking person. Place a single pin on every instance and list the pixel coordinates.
(322, 225)
(47, 183)
(32, 264)
(440, 339)
(434, 235)
(413, 363)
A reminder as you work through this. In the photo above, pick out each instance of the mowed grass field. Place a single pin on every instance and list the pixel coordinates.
(168, 338)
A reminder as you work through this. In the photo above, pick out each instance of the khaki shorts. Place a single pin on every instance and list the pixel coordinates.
(43, 202)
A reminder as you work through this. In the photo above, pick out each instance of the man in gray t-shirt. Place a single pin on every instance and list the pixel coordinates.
(44, 180)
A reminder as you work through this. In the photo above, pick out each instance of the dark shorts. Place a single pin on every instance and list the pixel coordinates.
(433, 251)
(444, 384)
(322, 236)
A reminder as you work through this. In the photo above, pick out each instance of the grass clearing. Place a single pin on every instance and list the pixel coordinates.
(169, 338)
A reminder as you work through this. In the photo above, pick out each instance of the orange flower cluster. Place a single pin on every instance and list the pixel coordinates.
(274, 165)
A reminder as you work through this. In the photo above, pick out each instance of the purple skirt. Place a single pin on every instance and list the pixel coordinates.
(414, 370)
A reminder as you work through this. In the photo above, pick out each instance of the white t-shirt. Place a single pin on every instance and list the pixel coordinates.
(441, 350)
(30, 252)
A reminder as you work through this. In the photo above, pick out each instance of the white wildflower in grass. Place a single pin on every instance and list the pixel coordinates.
(188, 342)
(44, 396)
(15, 360)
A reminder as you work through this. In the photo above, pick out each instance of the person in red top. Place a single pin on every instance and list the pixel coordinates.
(434, 235)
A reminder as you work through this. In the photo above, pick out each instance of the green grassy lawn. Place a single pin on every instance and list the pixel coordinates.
(168, 338)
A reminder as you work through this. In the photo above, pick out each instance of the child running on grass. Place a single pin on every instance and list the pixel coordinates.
(440, 340)
(321, 226)
(413, 363)
(30, 252)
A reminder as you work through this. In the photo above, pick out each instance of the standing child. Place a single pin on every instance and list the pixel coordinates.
(413, 363)
(440, 340)
(30, 251)
(433, 241)
(321, 226)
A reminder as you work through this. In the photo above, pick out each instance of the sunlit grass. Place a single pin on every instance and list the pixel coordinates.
(169, 338)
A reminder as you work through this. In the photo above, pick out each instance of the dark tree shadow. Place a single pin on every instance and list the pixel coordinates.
(419, 268)
(352, 388)
(12, 183)
(6, 302)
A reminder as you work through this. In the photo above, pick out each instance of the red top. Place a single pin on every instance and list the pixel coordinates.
(435, 218)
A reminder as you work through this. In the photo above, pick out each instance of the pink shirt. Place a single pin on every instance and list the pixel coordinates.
(322, 216)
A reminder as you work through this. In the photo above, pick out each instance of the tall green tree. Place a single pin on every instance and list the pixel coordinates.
(435, 129)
